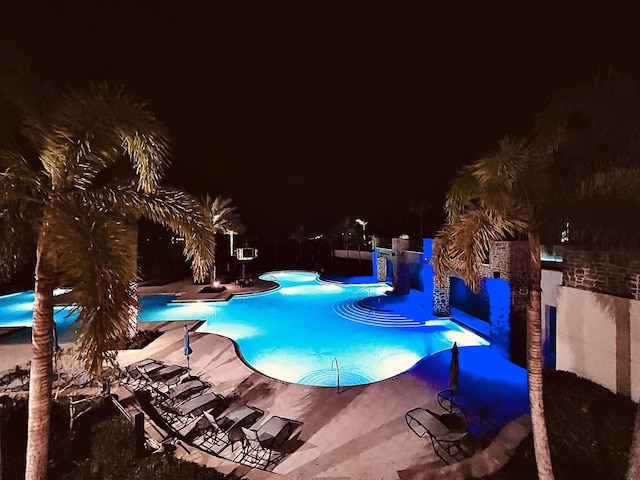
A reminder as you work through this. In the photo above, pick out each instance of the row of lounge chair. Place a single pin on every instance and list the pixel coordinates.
(187, 407)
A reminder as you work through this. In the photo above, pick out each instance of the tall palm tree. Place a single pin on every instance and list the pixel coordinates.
(494, 198)
(93, 168)
(299, 237)
(582, 165)
(224, 219)
(593, 130)
(419, 209)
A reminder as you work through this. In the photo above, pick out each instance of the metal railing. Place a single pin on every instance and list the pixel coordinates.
(335, 360)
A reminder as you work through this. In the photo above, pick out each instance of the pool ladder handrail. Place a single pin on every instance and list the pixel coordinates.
(335, 360)
(368, 290)
(365, 289)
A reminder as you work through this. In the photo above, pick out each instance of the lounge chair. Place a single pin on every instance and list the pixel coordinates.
(424, 422)
(181, 417)
(184, 390)
(253, 452)
(261, 446)
(209, 435)
(163, 378)
(215, 434)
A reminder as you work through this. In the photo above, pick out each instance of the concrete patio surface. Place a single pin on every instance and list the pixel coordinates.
(357, 432)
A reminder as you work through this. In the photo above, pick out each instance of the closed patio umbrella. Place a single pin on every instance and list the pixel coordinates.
(454, 369)
(187, 348)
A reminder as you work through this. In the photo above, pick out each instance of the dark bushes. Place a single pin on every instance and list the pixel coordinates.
(590, 431)
(101, 447)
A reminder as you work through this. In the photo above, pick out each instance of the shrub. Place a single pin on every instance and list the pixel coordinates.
(101, 447)
(143, 338)
(590, 431)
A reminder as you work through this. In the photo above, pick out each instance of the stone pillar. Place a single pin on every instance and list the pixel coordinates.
(401, 270)
(427, 275)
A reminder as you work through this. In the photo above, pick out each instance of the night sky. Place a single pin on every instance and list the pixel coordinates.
(296, 110)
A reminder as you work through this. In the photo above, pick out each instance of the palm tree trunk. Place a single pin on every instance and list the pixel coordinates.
(40, 379)
(132, 330)
(534, 363)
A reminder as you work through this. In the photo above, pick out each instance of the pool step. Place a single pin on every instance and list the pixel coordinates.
(327, 377)
(354, 312)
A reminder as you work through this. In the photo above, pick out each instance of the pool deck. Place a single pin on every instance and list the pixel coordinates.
(353, 433)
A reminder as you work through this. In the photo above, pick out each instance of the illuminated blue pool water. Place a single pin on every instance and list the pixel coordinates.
(16, 310)
(294, 333)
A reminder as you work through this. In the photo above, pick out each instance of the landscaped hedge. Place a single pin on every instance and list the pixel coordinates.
(101, 447)
(590, 431)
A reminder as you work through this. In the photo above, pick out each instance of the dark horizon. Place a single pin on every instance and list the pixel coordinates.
(306, 112)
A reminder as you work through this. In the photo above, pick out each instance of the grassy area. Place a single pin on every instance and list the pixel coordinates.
(590, 432)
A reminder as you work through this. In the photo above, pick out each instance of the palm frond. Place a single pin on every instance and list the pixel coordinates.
(463, 193)
(96, 255)
(90, 129)
(224, 215)
(175, 209)
(20, 186)
(20, 210)
(606, 208)
(605, 109)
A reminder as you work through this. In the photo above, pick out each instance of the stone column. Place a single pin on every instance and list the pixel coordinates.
(427, 276)
(401, 280)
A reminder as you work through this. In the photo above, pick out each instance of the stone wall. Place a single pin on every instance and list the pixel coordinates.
(611, 272)
(441, 306)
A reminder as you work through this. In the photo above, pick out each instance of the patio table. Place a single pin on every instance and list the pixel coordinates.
(274, 432)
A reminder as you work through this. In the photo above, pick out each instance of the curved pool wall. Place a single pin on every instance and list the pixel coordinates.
(296, 333)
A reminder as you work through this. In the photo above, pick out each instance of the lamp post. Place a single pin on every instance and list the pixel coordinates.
(363, 224)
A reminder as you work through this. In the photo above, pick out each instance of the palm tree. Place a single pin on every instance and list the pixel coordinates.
(419, 209)
(299, 237)
(581, 166)
(347, 230)
(72, 193)
(593, 130)
(494, 198)
(224, 219)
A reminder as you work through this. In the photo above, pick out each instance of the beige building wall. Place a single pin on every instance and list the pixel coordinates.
(598, 338)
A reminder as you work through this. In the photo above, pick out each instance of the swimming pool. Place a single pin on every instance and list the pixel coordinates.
(297, 332)
(16, 310)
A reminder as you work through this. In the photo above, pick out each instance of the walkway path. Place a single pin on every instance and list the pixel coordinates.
(359, 432)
